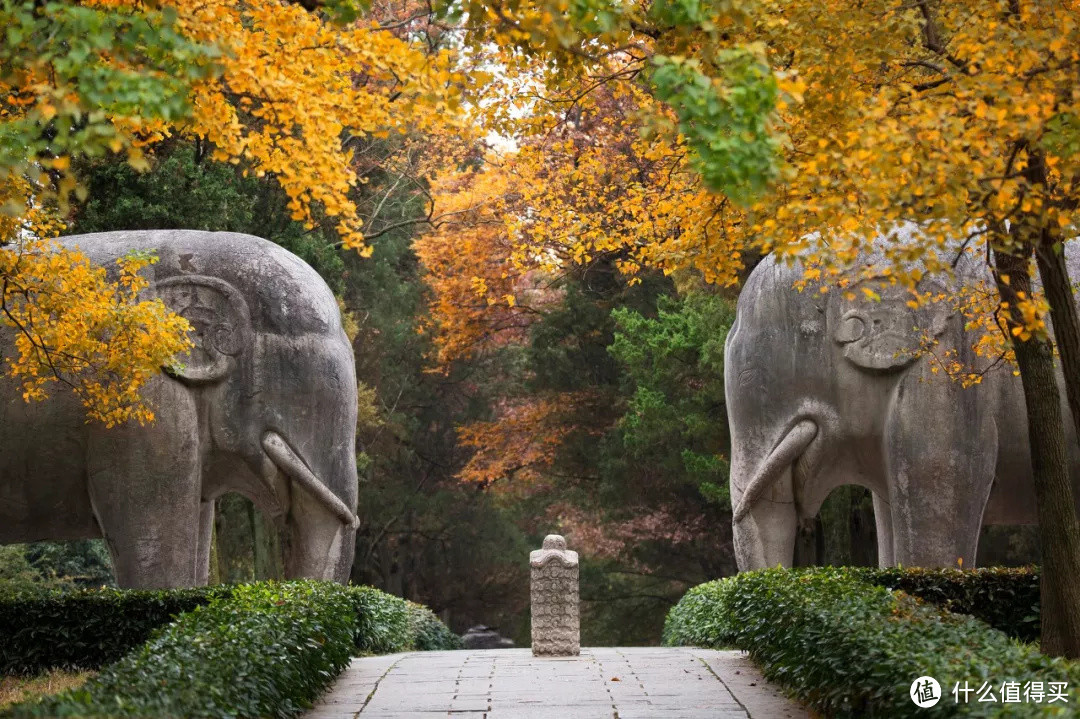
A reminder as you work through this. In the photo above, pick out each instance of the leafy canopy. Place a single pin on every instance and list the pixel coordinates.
(269, 86)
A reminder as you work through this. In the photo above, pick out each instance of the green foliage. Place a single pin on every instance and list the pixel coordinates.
(673, 364)
(703, 617)
(55, 565)
(428, 632)
(680, 12)
(1063, 135)
(727, 122)
(423, 534)
(15, 569)
(85, 629)
(344, 12)
(843, 534)
(90, 628)
(849, 648)
(246, 544)
(115, 62)
(640, 480)
(266, 650)
(77, 563)
(391, 624)
(594, 17)
(383, 624)
(1005, 598)
(183, 189)
(568, 348)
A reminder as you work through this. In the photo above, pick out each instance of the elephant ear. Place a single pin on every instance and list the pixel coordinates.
(221, 326)
(879, 330)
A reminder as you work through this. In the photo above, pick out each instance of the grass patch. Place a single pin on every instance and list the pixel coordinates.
(19, 689)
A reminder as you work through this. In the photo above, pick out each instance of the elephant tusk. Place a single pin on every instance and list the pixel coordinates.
(794, 442)
(290, 463)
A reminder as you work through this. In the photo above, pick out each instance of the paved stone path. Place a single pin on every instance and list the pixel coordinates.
(610, 683)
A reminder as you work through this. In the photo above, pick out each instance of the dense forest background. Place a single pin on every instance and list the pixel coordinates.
(611, 394)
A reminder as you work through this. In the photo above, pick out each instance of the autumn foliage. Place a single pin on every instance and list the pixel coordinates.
(267, 85)
(682, 135)
(962, 118)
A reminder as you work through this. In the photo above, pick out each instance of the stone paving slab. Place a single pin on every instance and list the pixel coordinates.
(603, 683)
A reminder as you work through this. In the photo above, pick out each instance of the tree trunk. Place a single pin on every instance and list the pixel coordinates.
(1059, 293)
(1059, 534)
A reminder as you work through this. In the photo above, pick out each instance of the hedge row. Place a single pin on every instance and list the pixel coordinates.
(386, 624)
(265, 649)
(86, 629)
(851, 648)
(1006, 599)
(268, 650)
(428, 632)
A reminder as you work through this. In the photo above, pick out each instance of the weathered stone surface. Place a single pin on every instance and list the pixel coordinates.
(554, 599)
(265, 405)
(649, 682)
(825, 390)
(482, 637)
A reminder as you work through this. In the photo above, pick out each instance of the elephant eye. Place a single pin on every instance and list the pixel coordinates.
(852, 327)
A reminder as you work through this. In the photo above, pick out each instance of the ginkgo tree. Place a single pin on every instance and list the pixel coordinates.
(812, 128)
(283, 89)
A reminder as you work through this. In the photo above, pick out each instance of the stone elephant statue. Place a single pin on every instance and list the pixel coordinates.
(264, 405)
(823, 391)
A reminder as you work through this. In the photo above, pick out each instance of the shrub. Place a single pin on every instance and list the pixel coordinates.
(850, 648)
(85, 629)
(382, 624)
(266, 651)
(701, 617)
(1006, 599)
(386, 624)
(429, 633)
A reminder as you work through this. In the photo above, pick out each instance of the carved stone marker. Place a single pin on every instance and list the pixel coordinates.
(555, 623)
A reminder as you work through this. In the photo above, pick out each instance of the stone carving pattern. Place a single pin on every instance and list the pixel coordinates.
(219, 320)
(888, 334)
(554, 593)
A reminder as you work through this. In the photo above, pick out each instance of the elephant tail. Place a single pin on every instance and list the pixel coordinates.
(790, 447)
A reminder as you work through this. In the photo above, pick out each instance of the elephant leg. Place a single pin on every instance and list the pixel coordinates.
(941, 451)
(144, 488)
(206, 533)
(883, 525)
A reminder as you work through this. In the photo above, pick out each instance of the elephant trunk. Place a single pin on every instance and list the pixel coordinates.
(766, 517)
(321, 535)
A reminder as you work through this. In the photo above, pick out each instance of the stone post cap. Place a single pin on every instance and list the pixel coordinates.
(554, 549)
(554, 541)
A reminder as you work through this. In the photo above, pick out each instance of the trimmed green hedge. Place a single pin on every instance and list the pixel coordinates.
(265, 649)
(386, 624)
(1005, 598)
(86, 629)
(382, 623)
(850, 648)
(428, 631)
